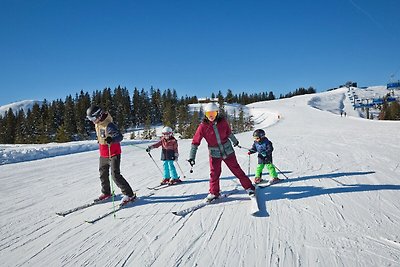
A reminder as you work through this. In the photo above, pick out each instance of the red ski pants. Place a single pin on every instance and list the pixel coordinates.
(233, 165)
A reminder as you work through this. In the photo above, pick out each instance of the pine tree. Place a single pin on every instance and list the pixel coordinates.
(107, 101)
(147, 132)
(155, 106)
(43, 135)
(135, 107)
(69, 124)
(20, 129)
(229, 97)
(191, 129)
(33, 120)
(167, 114)
(9, 129)
(62, 135)
(183, 117)
(82, 103)
(3, 128)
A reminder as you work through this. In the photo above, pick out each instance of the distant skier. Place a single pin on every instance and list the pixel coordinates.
(216, 131)
(109, 138)
(169, 154)
(264, 148)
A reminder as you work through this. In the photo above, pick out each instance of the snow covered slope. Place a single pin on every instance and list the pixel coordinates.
(339, 207)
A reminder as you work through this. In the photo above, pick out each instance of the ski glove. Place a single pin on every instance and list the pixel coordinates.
(191, 162)
(176, 156)
(108, 139)
(148, 149)
(236, 144)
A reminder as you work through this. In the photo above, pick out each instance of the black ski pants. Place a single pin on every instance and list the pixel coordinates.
(104, 168)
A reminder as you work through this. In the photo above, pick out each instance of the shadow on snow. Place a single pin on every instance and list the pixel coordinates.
(280, 191)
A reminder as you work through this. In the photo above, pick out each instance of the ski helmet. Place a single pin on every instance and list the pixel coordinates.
(259, 133)
(94, 112)
(167, 130)
(212, 106)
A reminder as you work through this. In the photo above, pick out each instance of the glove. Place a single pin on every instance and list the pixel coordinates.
(249, 153)
(176, 156)
(236, 144)
(148, 149)
(191, 162)
(108, 139)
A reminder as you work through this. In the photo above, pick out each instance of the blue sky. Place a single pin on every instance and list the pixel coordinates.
(49, 49)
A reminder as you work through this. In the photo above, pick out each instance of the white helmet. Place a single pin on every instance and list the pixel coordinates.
(212, 106)
(167, 130)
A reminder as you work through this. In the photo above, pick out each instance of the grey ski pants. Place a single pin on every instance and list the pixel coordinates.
(104, 169)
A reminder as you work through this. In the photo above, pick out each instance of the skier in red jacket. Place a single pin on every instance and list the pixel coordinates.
(216, 131)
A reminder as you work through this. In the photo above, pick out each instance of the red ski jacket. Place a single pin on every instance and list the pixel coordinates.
(217, 135)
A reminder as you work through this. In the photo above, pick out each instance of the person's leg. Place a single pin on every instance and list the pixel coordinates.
(235, 168)
(118, 178)
(271, 170)
(167, 175)
(172, 170)
(215, 172)
(104, 167)
(258, 174)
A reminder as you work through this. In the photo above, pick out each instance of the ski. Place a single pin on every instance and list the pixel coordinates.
(158, 187)
(254, 204)
(195, 207)
(81, 207)
(162, 186)
(119, 207)
(267, 183)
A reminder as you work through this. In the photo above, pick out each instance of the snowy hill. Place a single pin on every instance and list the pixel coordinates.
(16, 106)
(339, 207)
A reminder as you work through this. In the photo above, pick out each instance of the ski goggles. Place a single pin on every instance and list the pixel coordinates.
(211, 114)
(92, 118)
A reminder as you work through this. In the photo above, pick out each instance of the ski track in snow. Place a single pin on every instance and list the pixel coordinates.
(339, 207)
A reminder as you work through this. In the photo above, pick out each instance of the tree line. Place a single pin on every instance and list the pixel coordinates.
(63, 121)
(389, 110)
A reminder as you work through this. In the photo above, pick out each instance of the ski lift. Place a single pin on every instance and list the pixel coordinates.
(393, 85)
(377, 101)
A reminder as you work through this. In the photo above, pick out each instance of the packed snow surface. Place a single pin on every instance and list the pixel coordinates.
(340, 205)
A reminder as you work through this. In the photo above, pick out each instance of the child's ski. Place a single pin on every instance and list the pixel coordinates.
(162, 186)
(193, 208)
(267, 183)
(158, 187)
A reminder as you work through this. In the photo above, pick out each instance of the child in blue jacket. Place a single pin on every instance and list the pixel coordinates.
(264, 148)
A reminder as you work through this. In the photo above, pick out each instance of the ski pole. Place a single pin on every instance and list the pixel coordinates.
(191, 166)
(184, 176)
(248, 170)
(112, 179)
(242, 147)
(138, 146)
(280, 171)
(155, 163)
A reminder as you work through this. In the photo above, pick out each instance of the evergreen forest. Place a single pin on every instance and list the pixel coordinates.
(139, 112)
